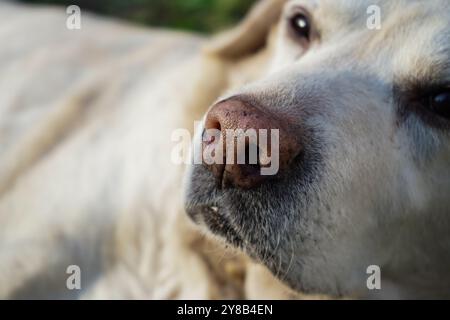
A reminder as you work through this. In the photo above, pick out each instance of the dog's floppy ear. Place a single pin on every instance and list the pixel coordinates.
(251, 34)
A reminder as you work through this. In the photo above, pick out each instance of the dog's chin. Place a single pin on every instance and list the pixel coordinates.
(215, 222)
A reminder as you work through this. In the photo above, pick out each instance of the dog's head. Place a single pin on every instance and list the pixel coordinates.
(362, 115)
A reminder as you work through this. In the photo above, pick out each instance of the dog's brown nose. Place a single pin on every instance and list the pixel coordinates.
(248, 144)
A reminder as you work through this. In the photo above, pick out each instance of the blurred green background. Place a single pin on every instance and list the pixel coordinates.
(204, 16)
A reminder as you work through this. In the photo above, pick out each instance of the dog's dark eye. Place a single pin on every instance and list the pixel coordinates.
(440, 103)
(301, 25)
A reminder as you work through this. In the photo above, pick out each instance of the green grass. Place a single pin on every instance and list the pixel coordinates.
(196, 15)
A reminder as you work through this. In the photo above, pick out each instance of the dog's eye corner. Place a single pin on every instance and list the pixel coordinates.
(439, 103)
(300, 25)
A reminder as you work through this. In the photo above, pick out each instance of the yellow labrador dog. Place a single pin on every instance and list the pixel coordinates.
(89, 186)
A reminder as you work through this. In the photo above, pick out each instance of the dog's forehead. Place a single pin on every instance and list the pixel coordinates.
(414, 34)
(354, 7)
(354, 12)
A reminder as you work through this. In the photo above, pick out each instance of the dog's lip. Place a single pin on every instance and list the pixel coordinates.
(212, 217)
(195, 211)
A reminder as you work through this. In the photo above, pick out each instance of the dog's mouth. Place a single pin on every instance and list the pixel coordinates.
(224, 212)
(213, 218)
(220, 225)
(238, 218)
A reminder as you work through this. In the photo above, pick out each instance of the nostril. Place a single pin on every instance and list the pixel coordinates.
(213, 122)
(210, 132)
